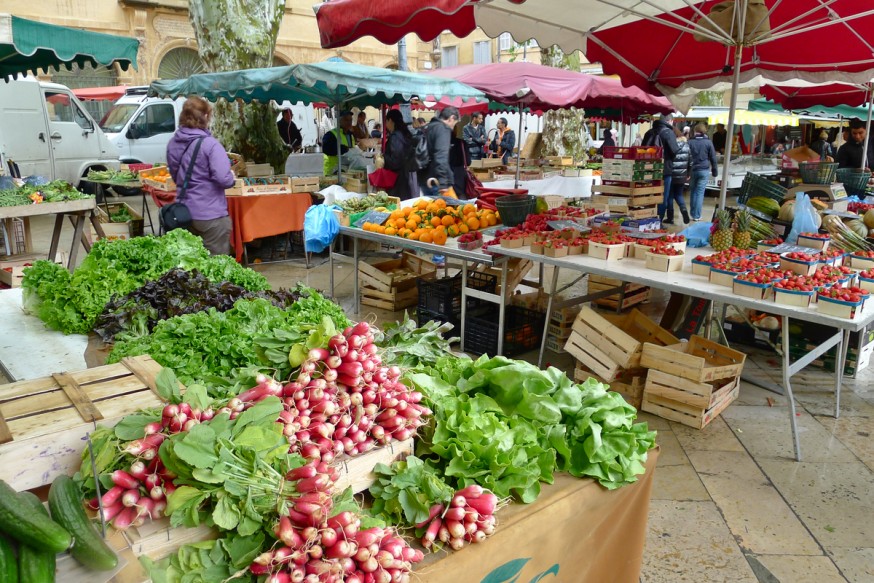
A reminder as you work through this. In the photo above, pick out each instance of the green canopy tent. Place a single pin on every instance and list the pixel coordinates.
(333, 83)
(27, 45)
(844, 111)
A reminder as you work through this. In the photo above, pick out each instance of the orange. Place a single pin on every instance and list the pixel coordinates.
(473, 223)
(436, 221)
(448, 220)
(492, 219)
(432, 208)
(395, 215)
(468, 208)
(425, 237)
(439, 238)
(407, 210)
(399, 223)
(452, 231)
(380, 229)
(414, 236)
(463, 228)
(410, 224)
(440, 203)
(391, 231)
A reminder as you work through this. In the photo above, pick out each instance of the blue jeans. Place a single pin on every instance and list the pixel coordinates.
(676, 195)
(666, 195)
(699, 183)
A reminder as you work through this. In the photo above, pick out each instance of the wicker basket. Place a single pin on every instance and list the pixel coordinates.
(817, 172)
(515, 208)
(854, 180)
(755, 185)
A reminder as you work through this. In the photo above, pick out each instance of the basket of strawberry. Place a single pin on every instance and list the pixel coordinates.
(470, 241)
(758, 284)
(665, 258)
(819, 241)
(862, 259)
(555, 247)
(843, 302)
(866, 280)
(578, 246)
(833, 257)
(765, 245)
(724, 273)
(799, 262)
(796, 290)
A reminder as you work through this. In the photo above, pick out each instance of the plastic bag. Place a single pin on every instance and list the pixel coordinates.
(805, 218)
(697, 234)
(320, 226)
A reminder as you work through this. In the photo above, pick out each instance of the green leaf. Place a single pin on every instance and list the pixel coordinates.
(243, 550)
(297, 355)
(226, 514)
(183, 498)
(167, 386)
(196, 396)
(134, 426)
(266, 410)
(197, 447)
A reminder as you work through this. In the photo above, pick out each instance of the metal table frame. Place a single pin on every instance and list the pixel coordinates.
(450, 250)
(631, 270)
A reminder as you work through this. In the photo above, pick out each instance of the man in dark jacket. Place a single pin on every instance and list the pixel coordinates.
(703, 167)
(662, 135)
(288, 131)
(475, 137)
(438, 175)
(679, 175)
(850, 154)
(504, 142)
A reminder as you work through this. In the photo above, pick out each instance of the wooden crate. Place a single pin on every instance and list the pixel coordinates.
(608, 344)
(517, 269)
(630, 383)
(356, 185)
(117, 231)
(12, 267)
(630, 300)
(243, 187)
(626, 190)
(43, 422)
(560, 160)
(690, 415)
(703, 395)
(393, 300)
(258, 170)
(146, 177)
(395, 274)
(305, 184)
(485, 163)
(483, 175)
(699, 360)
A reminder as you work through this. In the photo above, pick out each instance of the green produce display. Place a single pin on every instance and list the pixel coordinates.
(364, 203)
(35, 565)
(409, 345)
(55, 191)
(65, 503)
(8, 562)
(71, 303)
(119, 176)
(18, 521)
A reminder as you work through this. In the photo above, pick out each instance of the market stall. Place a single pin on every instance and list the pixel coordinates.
(258, 216)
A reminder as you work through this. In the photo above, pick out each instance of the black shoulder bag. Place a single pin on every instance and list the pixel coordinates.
(176, 215)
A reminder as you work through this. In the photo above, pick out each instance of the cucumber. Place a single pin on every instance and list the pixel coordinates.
(88, 548)
(8, 564)
(35, 565)
(35, 530)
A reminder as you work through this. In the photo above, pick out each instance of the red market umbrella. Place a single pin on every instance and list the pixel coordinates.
(111, 93)
(830, 95)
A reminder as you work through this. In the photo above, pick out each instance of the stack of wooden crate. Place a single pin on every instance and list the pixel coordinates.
(631, 182)
(692, 382)
(634, 293)
(391, 285)
(609, 348)
(561, 324)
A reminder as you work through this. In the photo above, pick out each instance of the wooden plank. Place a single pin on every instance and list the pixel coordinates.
(679, 389)
(56, 400)
(699, 360)
(612, 340)
(44, 384)
(592, 356)
(86, 408)
(47, 208)
(357, 472)
(5, 434)
(669, 409)
(146, 369)
(627, 190)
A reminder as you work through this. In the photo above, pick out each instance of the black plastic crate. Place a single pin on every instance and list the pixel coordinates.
(423, 316)
(443, 296)
(523, 331)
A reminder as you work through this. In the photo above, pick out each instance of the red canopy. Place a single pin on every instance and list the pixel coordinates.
(546, 88)
(831, 95)
(100, 93)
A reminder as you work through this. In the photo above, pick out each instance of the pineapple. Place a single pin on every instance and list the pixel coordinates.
(742, 237)
(721, 239)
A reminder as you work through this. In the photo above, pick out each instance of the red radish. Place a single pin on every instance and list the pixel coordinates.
(286, 533)
(157, 493)
(307, 471)
(443, 534)
(112, 496)
(130, 497)
(124, 518)
(454, 513)
(485, 504)
(124, 479)
(153, 427)
(257, 569)
(112, 510)
(280, 577)
(160, 506)
(146, 506)
(433, 530)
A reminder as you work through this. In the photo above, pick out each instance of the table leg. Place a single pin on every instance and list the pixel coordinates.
(146, 212)
(787, 373)
(840, 364)
(502, 307)
(28, 239)
(355, 280)
(330, 263)
(551, 297)
(77, 235)
(463, 301)
(56, 236)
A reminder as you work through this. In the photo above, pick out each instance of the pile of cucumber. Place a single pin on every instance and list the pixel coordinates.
(30, 538)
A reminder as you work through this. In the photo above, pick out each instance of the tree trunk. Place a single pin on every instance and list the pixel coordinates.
(233, 35)
(563, 128)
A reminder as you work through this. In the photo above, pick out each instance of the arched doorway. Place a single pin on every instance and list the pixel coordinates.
(180, 63)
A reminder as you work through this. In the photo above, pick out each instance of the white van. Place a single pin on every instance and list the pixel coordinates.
(141, 126)
(47, 132)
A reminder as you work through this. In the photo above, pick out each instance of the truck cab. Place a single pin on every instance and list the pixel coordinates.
(141, 126)
(46, 131)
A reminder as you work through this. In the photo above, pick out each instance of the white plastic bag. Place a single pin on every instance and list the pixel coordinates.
(805, 218)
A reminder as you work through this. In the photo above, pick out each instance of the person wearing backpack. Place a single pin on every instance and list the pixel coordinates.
(438, 176)
(400, 156)
(661, 135)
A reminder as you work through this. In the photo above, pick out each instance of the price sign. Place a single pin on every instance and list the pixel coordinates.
(375, 217)
(789, 248)
(568, 224)
(759, 215)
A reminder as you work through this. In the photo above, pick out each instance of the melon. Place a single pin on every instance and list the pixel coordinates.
(858, 227)
(787, 211)
(831, 222)
(868, 219)
(818, 220)
(871, 233)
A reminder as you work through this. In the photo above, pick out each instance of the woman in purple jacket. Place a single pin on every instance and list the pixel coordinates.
(210, 175)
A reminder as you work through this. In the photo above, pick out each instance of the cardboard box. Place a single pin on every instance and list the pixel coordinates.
(792, 157)
(12, 266)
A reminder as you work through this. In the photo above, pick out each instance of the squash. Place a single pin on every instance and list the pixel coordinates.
(858, 227)
(868, 219)
(787, 211)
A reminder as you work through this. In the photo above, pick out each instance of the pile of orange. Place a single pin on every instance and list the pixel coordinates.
(434, 221)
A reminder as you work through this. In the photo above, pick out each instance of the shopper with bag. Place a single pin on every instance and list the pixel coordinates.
(438, 176)
(399, 156)
(202, 171)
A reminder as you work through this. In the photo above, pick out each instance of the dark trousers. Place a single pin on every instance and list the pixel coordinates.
(676, 195)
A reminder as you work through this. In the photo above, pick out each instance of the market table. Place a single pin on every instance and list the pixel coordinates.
(129, 184)
(77, 211)
(449, 250)
(576, 530)
(685, 282)
(566, 186)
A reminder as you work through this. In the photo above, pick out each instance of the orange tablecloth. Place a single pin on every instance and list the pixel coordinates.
(254, 217)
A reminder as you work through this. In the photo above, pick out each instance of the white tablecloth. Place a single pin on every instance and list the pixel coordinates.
(566, 186)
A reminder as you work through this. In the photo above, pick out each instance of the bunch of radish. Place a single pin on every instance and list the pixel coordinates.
(343, 400)
(469, 517)
(182, 417)
(137, 494)
(318, 547)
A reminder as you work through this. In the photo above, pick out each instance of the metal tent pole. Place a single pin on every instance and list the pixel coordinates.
(519, 142)
(868, 127)
(738, 57)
